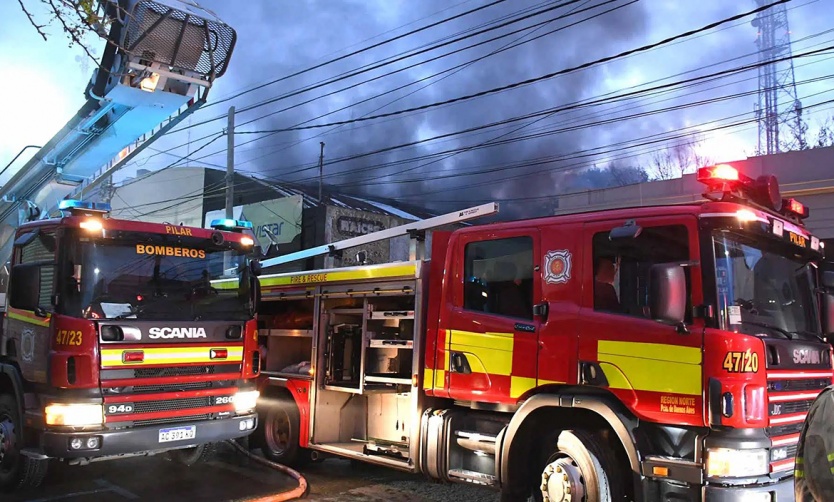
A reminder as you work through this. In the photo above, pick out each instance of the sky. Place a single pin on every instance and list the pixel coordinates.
(522, 163)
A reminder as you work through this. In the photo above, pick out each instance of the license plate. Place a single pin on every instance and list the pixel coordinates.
(177, 434)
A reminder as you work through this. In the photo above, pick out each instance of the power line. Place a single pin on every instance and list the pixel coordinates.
(329, 113)
(448, 73)
(563, 108)
(360, 51)
(527, 81)
(351, 74)
(365, 69)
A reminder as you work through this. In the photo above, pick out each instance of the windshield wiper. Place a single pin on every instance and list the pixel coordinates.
(765, 325)
(812, 334)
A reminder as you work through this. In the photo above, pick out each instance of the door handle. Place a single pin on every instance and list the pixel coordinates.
(459, 364)
(541, 310)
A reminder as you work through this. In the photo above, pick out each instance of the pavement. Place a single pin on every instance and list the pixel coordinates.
(232, 477)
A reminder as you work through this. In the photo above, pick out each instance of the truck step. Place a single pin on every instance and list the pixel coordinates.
(476, 441)
(473, 477)
(476, 436)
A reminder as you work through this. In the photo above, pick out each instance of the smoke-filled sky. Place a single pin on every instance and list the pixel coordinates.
(528, 160)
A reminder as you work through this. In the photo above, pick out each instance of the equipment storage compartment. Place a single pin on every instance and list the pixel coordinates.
(389, 331)
(286, 326)
(342, 324)
(364, 377)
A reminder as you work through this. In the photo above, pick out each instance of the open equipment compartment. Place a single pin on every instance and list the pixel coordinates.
(367, 366)
(286, 325)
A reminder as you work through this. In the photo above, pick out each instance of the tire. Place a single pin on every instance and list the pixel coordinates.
(589, 464)
(16, 470)
(279, 435)
(193, 456)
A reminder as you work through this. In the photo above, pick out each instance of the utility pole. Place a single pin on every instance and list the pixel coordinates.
(230, 164)
(321, 167)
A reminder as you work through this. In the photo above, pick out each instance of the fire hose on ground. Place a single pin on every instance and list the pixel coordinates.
(296, 493)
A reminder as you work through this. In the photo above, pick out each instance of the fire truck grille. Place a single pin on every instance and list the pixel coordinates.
(777, 409)
(171, 404)
(172, 420)
(793, 411)
(173, 388)
(184, 371)
(780, 454)
(798, 385)
(164, 380)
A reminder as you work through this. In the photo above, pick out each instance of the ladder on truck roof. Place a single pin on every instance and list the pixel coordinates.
(415, 229)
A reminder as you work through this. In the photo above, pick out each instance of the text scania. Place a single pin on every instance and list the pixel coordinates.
(177, 333)
(806, 356)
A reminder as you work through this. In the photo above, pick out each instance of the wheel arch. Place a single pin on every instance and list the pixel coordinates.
(601, 408)
(12, 383)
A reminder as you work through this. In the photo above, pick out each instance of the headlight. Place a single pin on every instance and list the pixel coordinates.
(246, 400)
(74, 414)
(731, 463)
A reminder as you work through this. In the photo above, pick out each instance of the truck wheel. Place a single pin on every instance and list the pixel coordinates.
(280, 435)
(16, 470)
(581, 468)
(194, 455)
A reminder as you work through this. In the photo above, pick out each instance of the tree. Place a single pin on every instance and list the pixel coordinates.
(77, 19)
(622, 175)
(825, 133)
(682, 157)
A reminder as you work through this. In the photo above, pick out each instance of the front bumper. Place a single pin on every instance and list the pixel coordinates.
(781, 491)
(143, 439)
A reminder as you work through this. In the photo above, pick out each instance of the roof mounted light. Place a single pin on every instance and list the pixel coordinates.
(725, 182)
(795, 208)
(720, 172)
(231, 225)
(82, 207)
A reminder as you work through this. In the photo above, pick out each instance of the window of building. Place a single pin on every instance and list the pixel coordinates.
(621, 268)
(499, 277)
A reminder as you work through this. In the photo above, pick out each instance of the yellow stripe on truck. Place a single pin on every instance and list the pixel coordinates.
(409, 270)
(171, 355)
(488, 352)
(651, 367)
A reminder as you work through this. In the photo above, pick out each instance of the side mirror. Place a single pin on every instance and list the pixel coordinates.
(631, 230)
(667, 293)
(828, 313)
(828, 279)
(25, 287)
(255, 267)
(255, 286)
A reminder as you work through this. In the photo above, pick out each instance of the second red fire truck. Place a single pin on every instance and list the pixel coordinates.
(652, 353)
(124, 338)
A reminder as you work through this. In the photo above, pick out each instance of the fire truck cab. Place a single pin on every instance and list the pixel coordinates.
(124, 338)
(652, 353)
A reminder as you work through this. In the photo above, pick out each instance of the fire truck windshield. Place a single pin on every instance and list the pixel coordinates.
(155, 280)
(764, 288)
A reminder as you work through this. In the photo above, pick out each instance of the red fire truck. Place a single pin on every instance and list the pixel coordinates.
(124, 338)
(651, 353)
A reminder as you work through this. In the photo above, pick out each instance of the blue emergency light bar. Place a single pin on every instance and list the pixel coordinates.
(70, 204)
(231, 225)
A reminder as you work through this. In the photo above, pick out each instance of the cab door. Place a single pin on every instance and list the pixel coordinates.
(653, 367)
(491, 334)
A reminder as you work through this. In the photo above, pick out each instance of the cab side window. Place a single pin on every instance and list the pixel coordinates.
(40, 251)
(621, 268)
(498, 277)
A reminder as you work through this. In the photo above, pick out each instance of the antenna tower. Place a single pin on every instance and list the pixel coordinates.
(779, 109)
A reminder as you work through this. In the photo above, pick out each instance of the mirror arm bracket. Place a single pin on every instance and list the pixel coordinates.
(703, 311)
